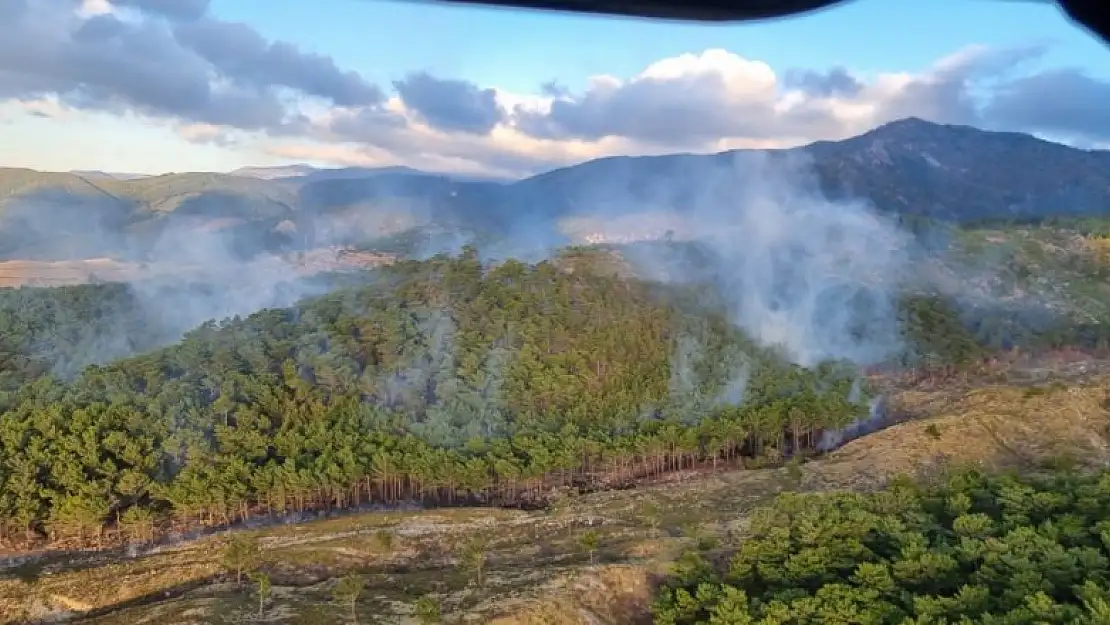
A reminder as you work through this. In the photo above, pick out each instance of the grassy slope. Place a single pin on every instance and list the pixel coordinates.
(155, 194)
(538, 571)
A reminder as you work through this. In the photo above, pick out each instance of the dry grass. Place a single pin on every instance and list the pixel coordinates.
(613, 594)
(533, 557)
(1099, 248)
(16, 273)
(79, 586)
(995, 426)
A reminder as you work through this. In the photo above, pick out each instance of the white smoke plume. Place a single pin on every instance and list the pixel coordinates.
(181, 270)
(816, 278)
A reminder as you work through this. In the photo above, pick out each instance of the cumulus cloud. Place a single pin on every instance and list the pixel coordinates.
(105, 62)
(946, 93)
(691, 100)
(173, 9)
(174, 61)
(239, 53)
(836, 81)
(451, 105)
(1062, 102)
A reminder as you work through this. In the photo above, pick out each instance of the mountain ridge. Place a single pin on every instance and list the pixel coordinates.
(911, 168)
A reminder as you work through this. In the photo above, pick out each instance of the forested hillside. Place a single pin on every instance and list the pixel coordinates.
(442, 381)
(439, 381)
(58, 331)
(1039, 286)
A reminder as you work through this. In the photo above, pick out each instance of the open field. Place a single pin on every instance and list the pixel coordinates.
(16, 273)
(538, 568)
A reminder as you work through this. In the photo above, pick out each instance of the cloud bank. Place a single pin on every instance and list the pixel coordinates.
(174, 62)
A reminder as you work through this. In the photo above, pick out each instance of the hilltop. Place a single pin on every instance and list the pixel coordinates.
(310, 173)
(961, 173)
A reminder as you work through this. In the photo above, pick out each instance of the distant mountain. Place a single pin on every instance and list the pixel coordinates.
(274, 173)
(910, 167)
(56, 216)
(308, 172)
(106, 175)
(356, 173)
(963, 173)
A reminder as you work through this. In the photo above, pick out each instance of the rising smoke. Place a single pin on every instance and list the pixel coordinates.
(816, 279)
(181, 269)
(876, 418)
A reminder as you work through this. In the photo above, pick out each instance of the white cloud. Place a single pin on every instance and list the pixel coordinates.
(48, 107)
(89, 8)
(205, 133)
(226, 85)
(711, 101)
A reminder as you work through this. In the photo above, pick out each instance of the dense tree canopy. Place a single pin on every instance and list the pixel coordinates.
(1001, 550)
(439, 381)
(61, 330)
(442, 380)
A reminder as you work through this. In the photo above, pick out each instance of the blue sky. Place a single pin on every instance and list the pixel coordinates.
(124, 85)
(517, 49)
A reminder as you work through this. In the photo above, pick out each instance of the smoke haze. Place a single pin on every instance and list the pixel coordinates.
(817, 280)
